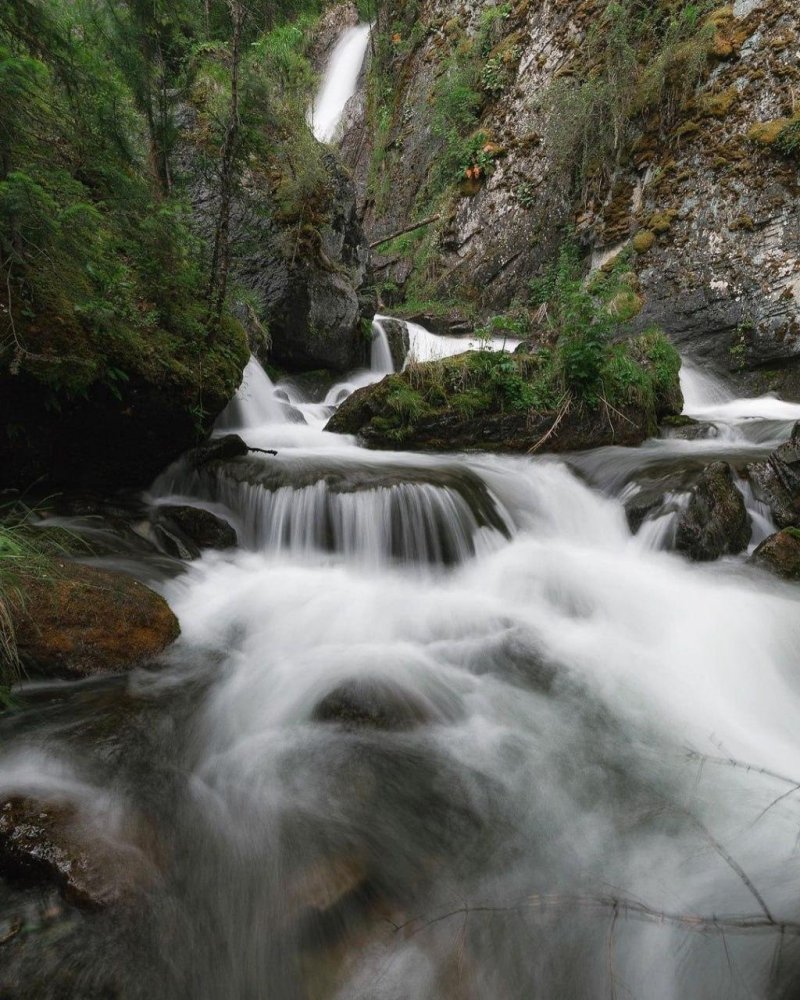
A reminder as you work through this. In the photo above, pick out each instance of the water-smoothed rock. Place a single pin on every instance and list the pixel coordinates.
(78, 621)
(184, 531)
(485, 401)
(776, 481)
(49, 842)
(715, 522)
(780, 553)
(683, 428)
(373, 702)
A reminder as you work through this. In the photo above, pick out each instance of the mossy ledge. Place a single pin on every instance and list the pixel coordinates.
(516, 403)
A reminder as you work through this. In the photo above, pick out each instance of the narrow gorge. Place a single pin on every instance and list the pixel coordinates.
(400, 511)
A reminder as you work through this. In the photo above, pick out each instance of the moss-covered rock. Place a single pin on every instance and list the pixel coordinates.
(78, 621)
(113, 433)
(515, 403)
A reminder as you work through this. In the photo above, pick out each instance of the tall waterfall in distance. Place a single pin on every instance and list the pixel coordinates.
(339, 82)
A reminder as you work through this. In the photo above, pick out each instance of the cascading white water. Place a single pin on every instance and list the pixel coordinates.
(381, 353)
(339, 82)
(448, 725)
(254, 404)
(427, 346)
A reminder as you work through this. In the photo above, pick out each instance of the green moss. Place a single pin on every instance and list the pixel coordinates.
(661, 222)
(719, 104)
(777, 133)
(643, 241)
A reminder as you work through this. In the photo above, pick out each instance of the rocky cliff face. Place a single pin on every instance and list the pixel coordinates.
(707, 207)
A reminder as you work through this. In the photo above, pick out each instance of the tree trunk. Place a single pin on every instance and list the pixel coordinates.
(220, 257)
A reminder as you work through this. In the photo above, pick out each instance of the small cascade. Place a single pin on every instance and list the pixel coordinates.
(380, 361)
(700, 389)
(370, 516)
(254, 404)
(339, 82)
(427, 346)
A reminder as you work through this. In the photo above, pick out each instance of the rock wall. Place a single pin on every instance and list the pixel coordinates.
(309, 284)
(710, 206)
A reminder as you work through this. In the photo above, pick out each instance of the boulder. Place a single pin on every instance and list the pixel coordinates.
(480, 401)
(776, 481)
(715, 522)
(48, 842)
(372, 702)
(683, 428)
(78, 621)
(780, 553)
(183, 531)
(106, 438)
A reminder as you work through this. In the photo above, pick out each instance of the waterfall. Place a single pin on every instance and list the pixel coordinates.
(254, 403)
(339, 82)
(427, 346)
(380, 354)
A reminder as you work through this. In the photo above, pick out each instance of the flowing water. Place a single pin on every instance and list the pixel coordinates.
(339, 82)
(440, 727)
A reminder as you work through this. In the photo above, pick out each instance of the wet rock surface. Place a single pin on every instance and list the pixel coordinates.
(776, 481)
(780, 553)
(48, 842)
(715, 522)
(184, 531)
(372, 702)
(217, 449)
(76, 621)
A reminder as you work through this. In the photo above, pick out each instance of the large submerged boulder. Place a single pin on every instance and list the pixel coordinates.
(372, 702)
(715, 522)
(78, 621)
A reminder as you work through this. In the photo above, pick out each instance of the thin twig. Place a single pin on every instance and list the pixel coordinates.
(628, 907)
(554, 427)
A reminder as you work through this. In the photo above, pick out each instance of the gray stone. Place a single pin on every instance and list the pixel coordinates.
(715, 522)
